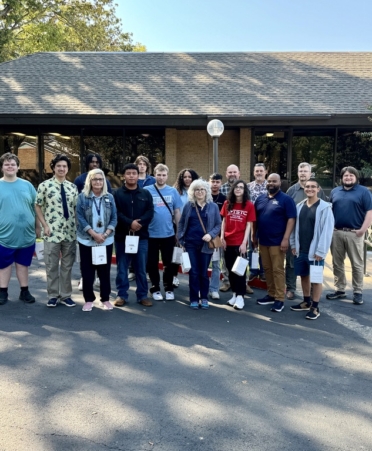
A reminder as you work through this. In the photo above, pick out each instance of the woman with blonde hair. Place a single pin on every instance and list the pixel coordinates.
(97, 219)
(200, 223)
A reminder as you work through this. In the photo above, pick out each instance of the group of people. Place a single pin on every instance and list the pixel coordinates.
(214, 223)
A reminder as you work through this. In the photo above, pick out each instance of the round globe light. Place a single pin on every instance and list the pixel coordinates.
(215, 128)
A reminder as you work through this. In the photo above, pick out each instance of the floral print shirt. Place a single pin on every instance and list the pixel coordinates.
(50, 201)
(256, 189)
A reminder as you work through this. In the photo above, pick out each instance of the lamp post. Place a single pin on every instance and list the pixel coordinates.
(215, 129)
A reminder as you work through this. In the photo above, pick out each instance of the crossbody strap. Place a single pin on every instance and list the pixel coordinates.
(160, 194)
(200, 219)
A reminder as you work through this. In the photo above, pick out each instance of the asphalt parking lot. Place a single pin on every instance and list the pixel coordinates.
(171, 378)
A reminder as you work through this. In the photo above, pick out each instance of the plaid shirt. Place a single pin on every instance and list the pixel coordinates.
(256, 189)
(225, 188)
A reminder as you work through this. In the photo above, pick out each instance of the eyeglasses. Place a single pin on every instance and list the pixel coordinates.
(97, 180)
(199, 189)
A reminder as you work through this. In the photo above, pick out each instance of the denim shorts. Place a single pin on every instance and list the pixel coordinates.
(302, 265)
(21, 256)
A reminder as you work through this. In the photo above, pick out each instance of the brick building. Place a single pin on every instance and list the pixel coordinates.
(277, 108)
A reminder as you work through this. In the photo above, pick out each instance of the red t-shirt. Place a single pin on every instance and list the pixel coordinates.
(236, 222)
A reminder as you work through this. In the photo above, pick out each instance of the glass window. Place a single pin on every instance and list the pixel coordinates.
(271, 148)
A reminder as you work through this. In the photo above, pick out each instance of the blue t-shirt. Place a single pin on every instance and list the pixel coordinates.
(272, 217)
(149, 180)
(350, 206)
(161, 225)
(17, 214)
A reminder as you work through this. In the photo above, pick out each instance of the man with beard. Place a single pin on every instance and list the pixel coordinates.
(297, 192)
(232, 174)
(275, 219)
(352, 209)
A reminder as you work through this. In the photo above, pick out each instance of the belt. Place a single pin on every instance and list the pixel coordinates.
(345, 229)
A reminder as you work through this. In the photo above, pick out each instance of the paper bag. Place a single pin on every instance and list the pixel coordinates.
(99, 255)
(77, 254)
(39, 249)
(185, 262)
(177, 255)
(240, 266)
(316, 273)
(216, 255)
(255, 260)
(131, 244)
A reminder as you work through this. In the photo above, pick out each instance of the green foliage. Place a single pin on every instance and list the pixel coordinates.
(28, 26)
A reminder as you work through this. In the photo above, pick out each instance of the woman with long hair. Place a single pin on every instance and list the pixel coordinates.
(238, 214)
(199, 224)
(184, 179)
(97, 219)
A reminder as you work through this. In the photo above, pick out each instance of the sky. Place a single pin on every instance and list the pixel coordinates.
(248, 25)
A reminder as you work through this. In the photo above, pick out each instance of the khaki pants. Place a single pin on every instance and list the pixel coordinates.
(347, 243)
(59, 277)
(273, 263)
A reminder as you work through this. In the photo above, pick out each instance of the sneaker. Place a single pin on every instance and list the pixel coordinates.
(87, 307)
(176, 281)
(358, 299)
(169, 296)
(336, 295)
(239, 304)
(290, 295)
(107, 305)
(214, 295)
(266, 300)
(97, 282)
(204, 304)
(231, 302)
(53, 302)
(249, 289)
(225, 287)
(252, 277)
(313, 314)
(194, 305)
(278, 306)
(304, 306)
(157, 296)
(68, 302)
(27, 297)
(80, 286)
(263, 278)
(3, 297)
(131, 276)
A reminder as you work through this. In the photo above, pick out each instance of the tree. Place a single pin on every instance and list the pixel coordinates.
(28, 26)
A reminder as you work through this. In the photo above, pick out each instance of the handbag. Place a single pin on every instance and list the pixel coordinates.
(99, 255)
(177, 255)
(215, 242)
(185, 262)
(316, 272)
(255, 260)
(131, 243)
(240, 266)
(170, 211)
(39, 248)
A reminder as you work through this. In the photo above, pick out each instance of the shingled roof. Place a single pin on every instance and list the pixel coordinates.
(187, 84)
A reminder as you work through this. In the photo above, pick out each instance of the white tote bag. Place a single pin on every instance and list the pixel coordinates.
(240, 266)
(316, 273)
(131, 244)
(39, 249)
(185, 262)
(255, 258)
(177, 255)
(99, 255)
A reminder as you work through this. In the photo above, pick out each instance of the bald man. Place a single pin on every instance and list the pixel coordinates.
(232, 174)
(275, 219)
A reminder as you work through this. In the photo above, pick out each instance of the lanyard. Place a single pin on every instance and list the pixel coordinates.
(98, 205)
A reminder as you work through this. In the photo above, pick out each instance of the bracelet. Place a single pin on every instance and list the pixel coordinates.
(105, 235)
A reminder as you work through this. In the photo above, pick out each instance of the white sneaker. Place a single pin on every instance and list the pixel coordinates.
(169, 296)
(97, 282)
(176, 282)
(214, 295)
(232, 301)
(157, 296)
(239, 304)
(131, 276)
(80, 286)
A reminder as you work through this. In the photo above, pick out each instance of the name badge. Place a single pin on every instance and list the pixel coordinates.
(275, 202)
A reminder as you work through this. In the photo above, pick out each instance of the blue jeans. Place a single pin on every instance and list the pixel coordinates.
(198, 274)
(139, 261)
(257, 271)
(215, 277)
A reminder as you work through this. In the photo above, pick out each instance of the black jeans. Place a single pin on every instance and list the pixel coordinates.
(165, 246)
(88, 273)
(237, 283)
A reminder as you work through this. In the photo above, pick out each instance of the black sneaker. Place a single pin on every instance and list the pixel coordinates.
(266, 300)
(3, 297)
(263, 278)
(53, 302)
(68, 302)
(358, 299)
(278, 306)
(313, 314)
(27, 297)
(304, 306)
(336, 295)
(252, 277)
